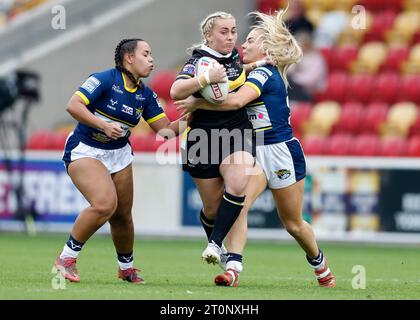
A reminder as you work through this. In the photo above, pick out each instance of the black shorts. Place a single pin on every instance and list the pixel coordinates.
(204, 149)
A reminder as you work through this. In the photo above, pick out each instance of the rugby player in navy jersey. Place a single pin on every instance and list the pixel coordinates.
(98, 154)
(219, 173)
(280, 155)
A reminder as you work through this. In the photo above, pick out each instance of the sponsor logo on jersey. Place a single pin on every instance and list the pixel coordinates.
(283, 174)
(260, 76)
(117, 89)
(113, 102)
(139, 97)
(189, 68)
(91, 84)
(127, 109)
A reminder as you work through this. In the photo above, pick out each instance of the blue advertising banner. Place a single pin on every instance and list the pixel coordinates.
(48, 191)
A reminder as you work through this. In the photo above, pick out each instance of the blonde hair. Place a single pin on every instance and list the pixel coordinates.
(207, 25)
(277, 42)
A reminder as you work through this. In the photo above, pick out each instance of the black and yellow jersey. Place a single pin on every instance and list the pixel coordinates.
(236, 75)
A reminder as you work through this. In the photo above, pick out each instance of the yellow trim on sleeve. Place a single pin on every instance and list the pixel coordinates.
(264, 129)
(158, 117)
(238, 82)
(184, 76)
(254, 86)
(83, 97)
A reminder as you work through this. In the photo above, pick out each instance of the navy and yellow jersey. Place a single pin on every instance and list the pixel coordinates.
(270, 112)
(107, 96)
(236, 75)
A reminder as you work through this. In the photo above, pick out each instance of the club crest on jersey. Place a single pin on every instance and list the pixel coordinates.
(283, 174)
(127, 109)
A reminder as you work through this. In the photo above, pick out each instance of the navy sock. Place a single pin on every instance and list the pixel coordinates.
(125, 257)
(73, 244)
(317, 260)
(229, 210)
(234, 257)
(208, 224)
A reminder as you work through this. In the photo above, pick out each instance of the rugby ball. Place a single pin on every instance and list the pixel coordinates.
(216, 92)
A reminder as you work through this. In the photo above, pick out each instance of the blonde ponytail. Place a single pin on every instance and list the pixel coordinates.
(277, 42)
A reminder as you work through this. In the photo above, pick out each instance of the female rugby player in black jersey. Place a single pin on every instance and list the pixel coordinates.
(218, 149)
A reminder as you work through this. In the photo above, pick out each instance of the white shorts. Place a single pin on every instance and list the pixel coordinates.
(114, 160)
(283, 163)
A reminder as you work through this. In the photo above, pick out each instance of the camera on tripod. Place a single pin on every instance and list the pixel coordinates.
(19, 85)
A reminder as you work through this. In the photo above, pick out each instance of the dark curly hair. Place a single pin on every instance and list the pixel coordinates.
(126, 46)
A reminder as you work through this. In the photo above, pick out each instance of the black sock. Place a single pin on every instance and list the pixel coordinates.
(229, 210)
(317, 260)
(125, 257)
(208, 224)
(73, 244)
(234, 257)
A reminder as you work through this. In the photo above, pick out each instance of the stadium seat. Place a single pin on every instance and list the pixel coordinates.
(395, 58)
(342, 58)
(405, 25)
(365, 145)
(392, 147)
(336, 87)
(338, 144)
(171, 112)
(410, 89)
(299, 114)
(386, 87)
(415, 128)
(413, 146)
(374, 115)
(143, 142)
(59, 140)
(322, 118)
(350, 118)
(412, 65)
(381, 22)
(161, 83)
(370, 58)
(314, 145)
(399, 120)
(360, 88)
(41, 140)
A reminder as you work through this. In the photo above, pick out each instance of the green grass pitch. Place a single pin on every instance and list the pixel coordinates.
(173, 269)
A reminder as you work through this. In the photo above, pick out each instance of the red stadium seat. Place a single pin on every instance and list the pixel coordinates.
(413, 146)
(386, 87)
(374, 115)
(393, 147)
(41, 140)
(350, 118)
(394, 58)
(314, 145)
(300, 113)
(365, 145)
(410, 89)
(143, 142)
(382, 21)
(59, 141)
(339, 144)
(342, 58)
(336, 87)
(171, 111)
(161, 83)
(415, 128)
(360, 88)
